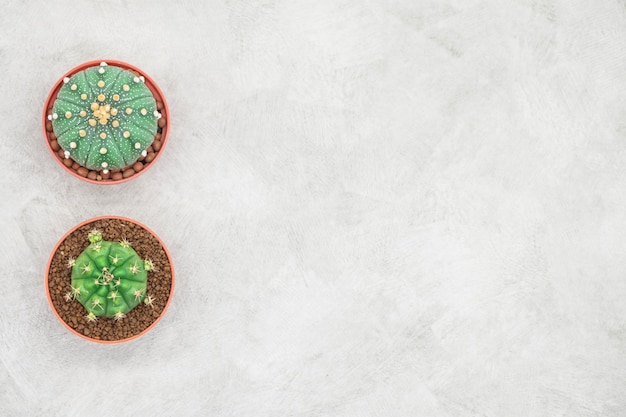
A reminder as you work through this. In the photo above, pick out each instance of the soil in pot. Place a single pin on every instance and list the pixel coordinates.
(138, 319)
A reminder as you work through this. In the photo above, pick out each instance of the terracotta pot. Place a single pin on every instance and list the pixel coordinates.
(57, 306)
(156, 92)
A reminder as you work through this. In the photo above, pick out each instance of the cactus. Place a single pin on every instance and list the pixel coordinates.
(104, 117)
(109, 278)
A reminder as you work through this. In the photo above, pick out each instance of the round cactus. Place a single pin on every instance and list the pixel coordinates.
(109, 278)
(104, 117)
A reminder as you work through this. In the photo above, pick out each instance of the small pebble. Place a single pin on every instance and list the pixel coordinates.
(82, 171)
(68, 162)
(156, 145)
(157, 136)
(55, 145)
(105, 176)
(75, 166)
(161, 122)
(49, 126)
(137, 166)
(117, 176)
(150, 157)
(92, 175)
(150, 149)
(159, 105)
(61, 153)
(128, 173)
(141, 158)
(52, 136)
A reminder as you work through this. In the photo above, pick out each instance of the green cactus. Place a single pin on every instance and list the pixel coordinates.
(109, 278)
(104, 117)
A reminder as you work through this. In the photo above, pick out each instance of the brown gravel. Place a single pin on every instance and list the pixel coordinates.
(138, 319)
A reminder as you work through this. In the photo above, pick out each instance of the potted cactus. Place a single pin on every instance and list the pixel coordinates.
(105, 122)
(105, 288)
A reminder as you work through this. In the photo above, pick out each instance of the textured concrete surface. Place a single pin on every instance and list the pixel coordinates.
(375, 208)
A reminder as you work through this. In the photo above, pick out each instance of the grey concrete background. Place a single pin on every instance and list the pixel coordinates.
(375, 208)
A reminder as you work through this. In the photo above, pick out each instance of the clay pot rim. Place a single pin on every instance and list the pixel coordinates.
(56, 248)
(156, 91)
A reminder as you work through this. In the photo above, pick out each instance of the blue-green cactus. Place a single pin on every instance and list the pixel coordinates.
(104, 117)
